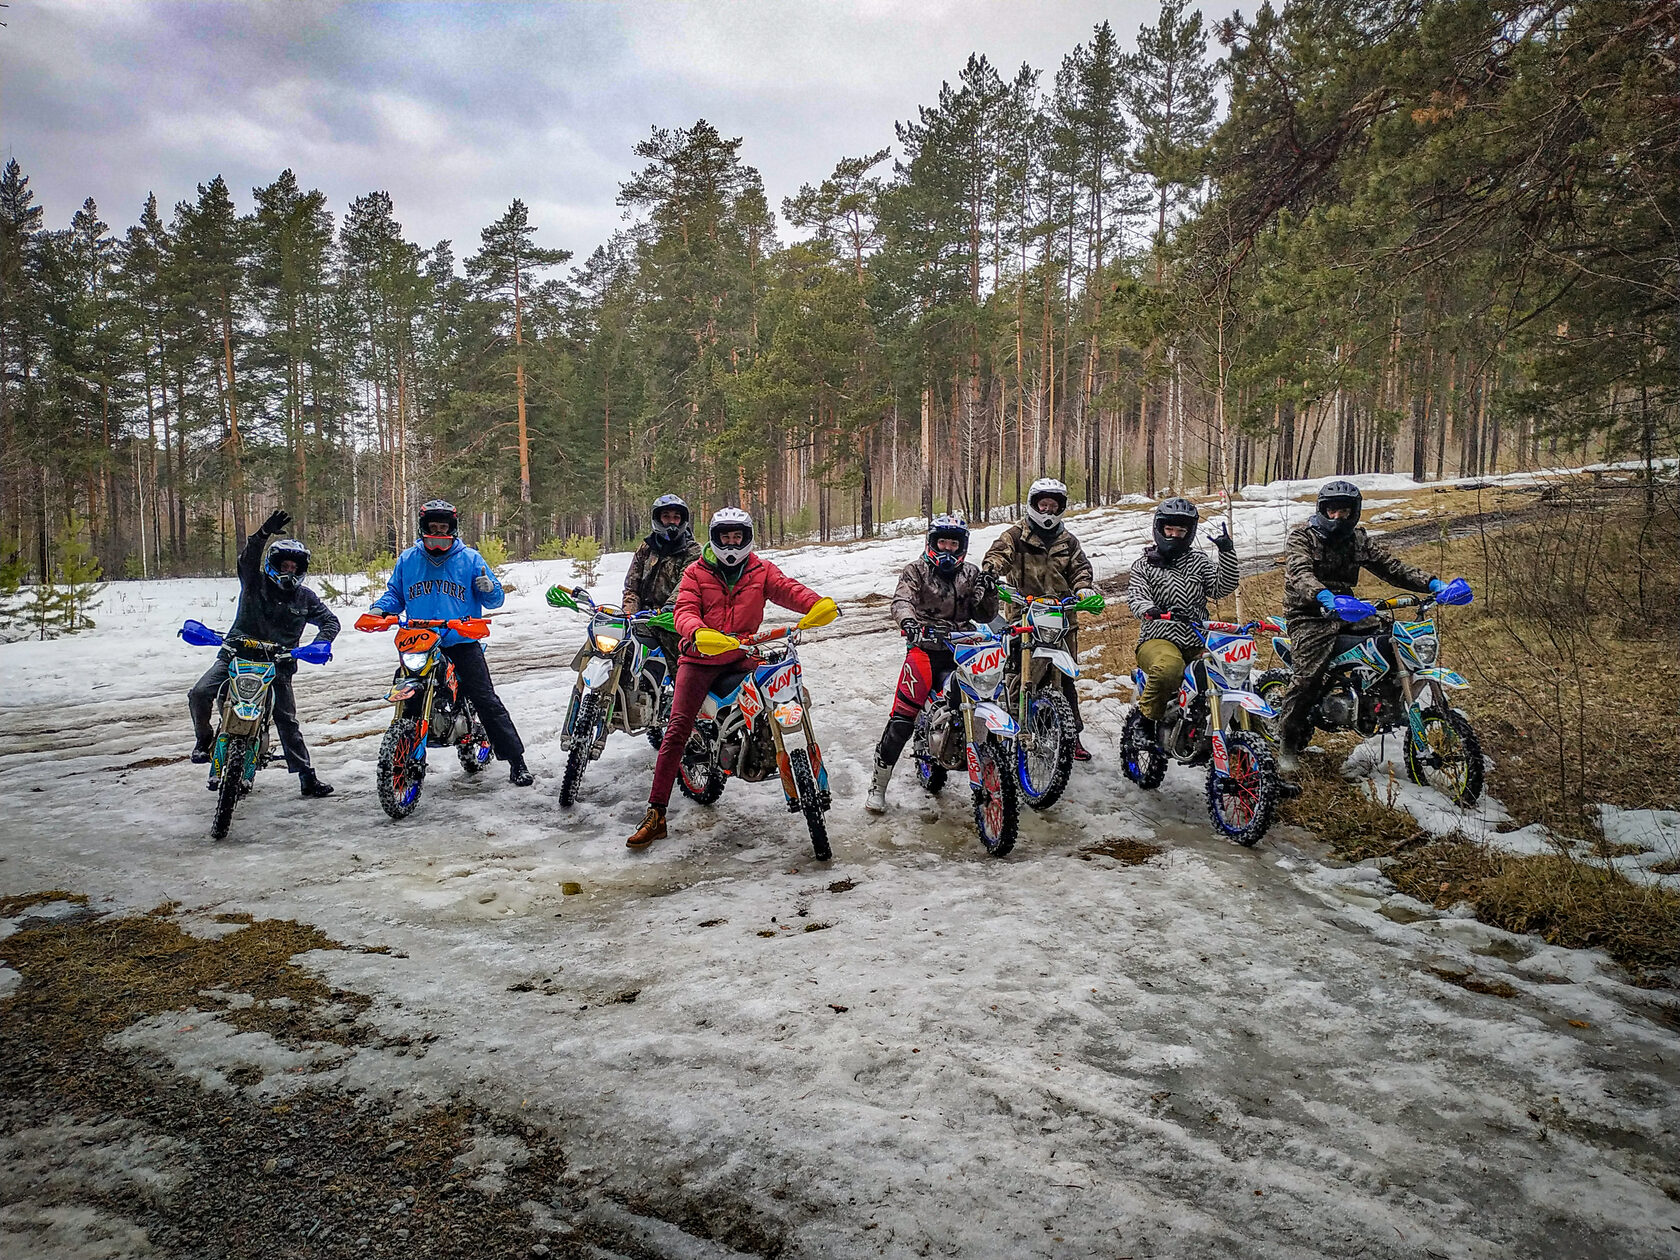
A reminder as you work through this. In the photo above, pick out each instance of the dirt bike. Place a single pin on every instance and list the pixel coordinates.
(1389, 679)
(431, 711)
(245, 709)
(623, 681)
(965, 725)
(1215, 720)
(745, 726)
(1044, 747)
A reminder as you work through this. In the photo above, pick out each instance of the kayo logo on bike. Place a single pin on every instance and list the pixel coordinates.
(987, 659)
(782, 680)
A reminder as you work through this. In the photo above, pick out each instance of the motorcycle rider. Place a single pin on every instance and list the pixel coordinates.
(1322, 561)
(1040, 557)
(938, 590)
(274, 606)
(725, 590)
(1173, 577)
(657, 567)
(441, 578)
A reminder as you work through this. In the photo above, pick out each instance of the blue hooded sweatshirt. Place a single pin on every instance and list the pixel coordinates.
(438, 587)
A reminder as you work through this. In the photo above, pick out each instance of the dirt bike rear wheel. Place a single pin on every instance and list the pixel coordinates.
(698, 776)
(996, 816)
(1049, 716)
(231, 787)
(1141, 759)
(1270, 687)
(577, 756)
(474, 751)
(1241, 802)
(400, 774)
(1453, 763)
(805, 784)
(929, 773)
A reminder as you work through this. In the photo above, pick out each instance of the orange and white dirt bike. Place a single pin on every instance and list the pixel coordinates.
(755, 722)
(431, 711)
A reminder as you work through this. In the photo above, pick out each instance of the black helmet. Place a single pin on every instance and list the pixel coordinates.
(439, 525)
(1174, 512)
(279, 552)
(670, 539)
(1337, 494)
(946, 527)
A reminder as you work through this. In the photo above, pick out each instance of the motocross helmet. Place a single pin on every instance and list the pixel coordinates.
(1337, 494)
(439, 526)
(278, 553)
(670, 539)
(728, 518)
(1046, 522)
(1174, 512)
(946, 527)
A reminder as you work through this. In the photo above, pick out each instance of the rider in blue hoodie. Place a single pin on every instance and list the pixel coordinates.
(439, 578)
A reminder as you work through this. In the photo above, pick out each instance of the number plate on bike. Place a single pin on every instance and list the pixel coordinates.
(749, 702)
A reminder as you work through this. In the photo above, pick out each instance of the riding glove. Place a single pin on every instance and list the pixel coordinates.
(1327, 601)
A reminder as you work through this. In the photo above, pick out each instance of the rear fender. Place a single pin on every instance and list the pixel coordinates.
(996, 719)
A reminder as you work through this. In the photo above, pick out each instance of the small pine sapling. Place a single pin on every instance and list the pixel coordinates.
(82, 580)
(495, 554)
(584, 551)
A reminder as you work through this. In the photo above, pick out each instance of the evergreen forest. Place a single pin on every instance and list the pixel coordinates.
(1433, 237)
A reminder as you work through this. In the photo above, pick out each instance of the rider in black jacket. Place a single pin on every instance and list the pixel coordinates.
(274, 606)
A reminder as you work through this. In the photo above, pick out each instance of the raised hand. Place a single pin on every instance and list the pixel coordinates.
(277, 522)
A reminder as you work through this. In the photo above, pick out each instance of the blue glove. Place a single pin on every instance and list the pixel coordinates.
(484, 584)
(1436, 586)
(1327, 601)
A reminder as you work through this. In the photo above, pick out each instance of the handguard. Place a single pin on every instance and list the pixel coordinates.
(822, 612)
(712, 643)
(371, 622)
(560, 597)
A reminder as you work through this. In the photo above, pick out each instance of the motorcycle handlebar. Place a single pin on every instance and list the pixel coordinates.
(471, 627)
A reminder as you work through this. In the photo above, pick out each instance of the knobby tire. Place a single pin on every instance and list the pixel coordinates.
(397, 761)
(577, 757)
(1062, 721)
(805, 784)
(228, 791)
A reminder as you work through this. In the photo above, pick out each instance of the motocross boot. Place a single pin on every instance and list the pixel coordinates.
(652, 828)
(518, 775)
(876, 801)
(1080, 752)
(201, 755)
(311, 786)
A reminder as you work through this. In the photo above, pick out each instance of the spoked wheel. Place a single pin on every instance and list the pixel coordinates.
(1043, 768)
(577, 756)
(1241, 801)
(929, 773)
(400, 769)
(474, 751)
(662, 714)
(995, 815)
(235, 750)
(805, 784)
(1141, 759)
(698, 775)
(1270, 687)
(1450, 760)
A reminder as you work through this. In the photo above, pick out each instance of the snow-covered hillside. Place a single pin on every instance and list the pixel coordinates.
(911, 1050)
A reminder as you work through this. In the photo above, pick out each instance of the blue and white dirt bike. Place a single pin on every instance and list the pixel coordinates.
(1391, 679)
(756, 722)
(1216, 721)
(623, 682)
(1033, 679)
(243, 714)
(967, 725)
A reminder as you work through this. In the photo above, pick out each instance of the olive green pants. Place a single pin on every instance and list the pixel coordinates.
(1163, 665)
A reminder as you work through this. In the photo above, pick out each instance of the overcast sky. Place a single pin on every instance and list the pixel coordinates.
(458, 108)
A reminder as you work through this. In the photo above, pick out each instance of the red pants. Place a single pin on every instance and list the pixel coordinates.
(693, 682)
(924, 672)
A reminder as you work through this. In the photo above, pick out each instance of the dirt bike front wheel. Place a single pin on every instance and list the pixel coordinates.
(1242, 800)
(996, 815)
(232, 784)
(810, 804)
(1450, 759)
(1044, 768)
(401, 773)
(577, 756)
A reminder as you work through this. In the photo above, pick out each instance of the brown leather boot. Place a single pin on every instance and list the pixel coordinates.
(652, 828)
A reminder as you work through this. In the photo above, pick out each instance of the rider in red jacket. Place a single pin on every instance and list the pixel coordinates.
(725, 590)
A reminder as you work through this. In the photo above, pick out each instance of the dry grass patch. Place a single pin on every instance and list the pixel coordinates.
(12, 907)
(1130, 852)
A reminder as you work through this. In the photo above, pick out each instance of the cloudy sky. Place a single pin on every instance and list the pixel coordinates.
(458, 108)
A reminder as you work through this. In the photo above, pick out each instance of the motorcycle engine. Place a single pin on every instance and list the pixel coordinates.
(1339, 708)
(944, 738)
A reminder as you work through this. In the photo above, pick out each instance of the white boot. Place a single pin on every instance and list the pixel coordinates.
(1287, 762)
(876, 801)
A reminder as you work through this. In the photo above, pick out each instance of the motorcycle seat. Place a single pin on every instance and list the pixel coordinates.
(725, 683)
(1346, 641)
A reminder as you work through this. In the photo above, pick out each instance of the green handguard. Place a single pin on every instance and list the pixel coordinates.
(1007, 593)
(1091, 604)
(666, 620)
(560, 597)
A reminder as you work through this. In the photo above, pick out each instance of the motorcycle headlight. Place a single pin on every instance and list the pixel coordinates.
(1425, 648)
(986, 681)
(415, 661)
(606, 643)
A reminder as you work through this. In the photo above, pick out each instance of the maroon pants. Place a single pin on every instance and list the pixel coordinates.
(693, 682)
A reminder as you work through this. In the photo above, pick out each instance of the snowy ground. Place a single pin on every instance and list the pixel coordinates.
(1218, 1052)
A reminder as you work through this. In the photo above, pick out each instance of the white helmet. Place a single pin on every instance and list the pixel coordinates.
(1047, 521)
(732, 518)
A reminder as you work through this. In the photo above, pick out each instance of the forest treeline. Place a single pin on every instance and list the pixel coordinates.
(1385, 235)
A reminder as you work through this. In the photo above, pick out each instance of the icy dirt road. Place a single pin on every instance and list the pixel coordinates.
(911, 1050)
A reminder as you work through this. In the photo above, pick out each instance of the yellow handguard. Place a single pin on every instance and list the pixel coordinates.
(712, 643)
(822, 612)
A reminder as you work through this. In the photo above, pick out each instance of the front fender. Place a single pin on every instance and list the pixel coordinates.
(597, 671)
(1456, 682)
(1250, 701)
(996, 719)
(1061, 658)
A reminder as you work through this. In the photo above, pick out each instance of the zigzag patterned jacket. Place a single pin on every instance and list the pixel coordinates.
(1184, 584)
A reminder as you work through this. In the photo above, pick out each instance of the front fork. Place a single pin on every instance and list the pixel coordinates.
(785, 768)
(973, 748)
(424, 702)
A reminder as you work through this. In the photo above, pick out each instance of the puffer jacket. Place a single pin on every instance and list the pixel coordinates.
(1034, 565)
(1184, 584)
(1314, 563)
(943, 602)
(706, 601)
(652, 577)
